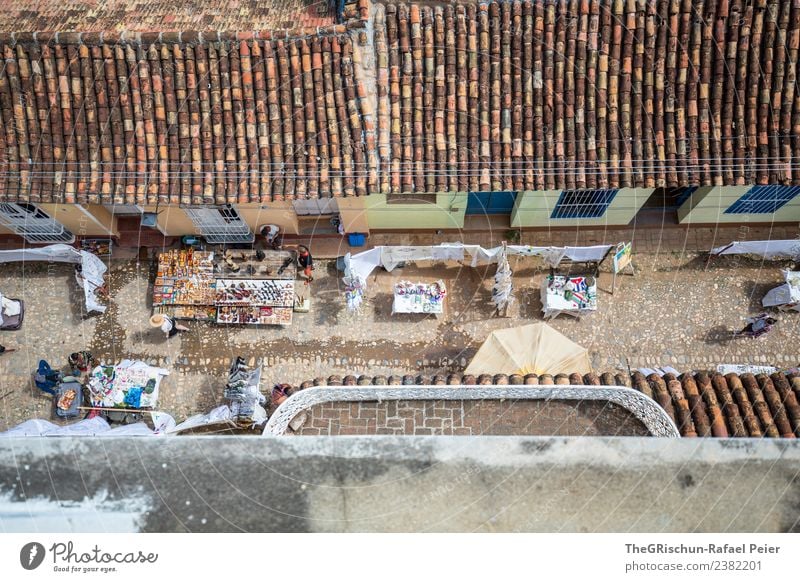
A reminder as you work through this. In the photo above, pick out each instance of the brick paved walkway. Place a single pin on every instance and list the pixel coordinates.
(473, 417)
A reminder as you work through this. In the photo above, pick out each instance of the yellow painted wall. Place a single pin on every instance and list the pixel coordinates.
(354, 215)
(535, 208)
(708, 205)
(89, 220)
(172, 221)
(448, 212)
(280, 213)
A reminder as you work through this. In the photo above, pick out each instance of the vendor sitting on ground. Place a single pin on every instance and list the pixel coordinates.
(758, 325)
(167, 325)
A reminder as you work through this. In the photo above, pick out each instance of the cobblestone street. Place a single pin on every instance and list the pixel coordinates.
(674, 311)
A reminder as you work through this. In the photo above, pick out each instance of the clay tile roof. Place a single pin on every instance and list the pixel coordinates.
(161, 15)
(189, 118)
(544, 94)
(700, 404)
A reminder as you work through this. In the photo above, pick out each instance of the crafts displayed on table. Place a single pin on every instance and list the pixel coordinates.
(419, 297)
(129, 384)
(190, 285)
(184, 277)
(572, 295)
(255, 292)
(258, 315)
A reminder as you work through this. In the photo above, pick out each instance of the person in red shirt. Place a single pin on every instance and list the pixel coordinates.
(305, 261)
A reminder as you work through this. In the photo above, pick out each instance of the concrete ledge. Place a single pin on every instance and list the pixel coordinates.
(399, 484)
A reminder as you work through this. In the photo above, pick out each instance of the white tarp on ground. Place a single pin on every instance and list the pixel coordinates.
(8, 307)
(93, 268)
(660, 371)
(89, 427)
(745, 369)
(769, 249)
(787, 294)
(219, 414)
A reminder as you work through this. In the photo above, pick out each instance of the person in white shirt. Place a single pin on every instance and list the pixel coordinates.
(167, 325)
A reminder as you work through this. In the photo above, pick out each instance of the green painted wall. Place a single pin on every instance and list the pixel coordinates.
(708, 204)
(448, 212)
(534, 209)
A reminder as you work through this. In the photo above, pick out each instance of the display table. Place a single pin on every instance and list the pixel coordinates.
(571, 295)
(419, 297)
(129, 384)
(184, 286)
(255, 301)
(240, 289)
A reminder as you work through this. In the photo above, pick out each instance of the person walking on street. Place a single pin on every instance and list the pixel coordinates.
(167, 325)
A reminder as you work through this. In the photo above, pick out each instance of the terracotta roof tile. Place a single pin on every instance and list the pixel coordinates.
(207, 123)
(534, 94)
(161, 15)
(700, 404)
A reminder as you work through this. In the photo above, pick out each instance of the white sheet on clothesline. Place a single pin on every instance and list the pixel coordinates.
(769, 249)
(92, 267)
(362, 264)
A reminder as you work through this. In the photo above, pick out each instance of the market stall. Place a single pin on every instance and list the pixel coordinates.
(571, 295)
(243, 287)
(359, 266)
(419, 297)
(130, 384)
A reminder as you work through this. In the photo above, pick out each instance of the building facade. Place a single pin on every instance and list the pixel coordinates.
(405, 116)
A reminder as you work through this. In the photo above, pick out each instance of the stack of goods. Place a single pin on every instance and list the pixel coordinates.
(246, 400)
(185, 286)
(97, 246)
(354, 292)
(502, 295)
(254, 301)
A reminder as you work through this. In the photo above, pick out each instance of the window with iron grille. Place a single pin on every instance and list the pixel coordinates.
(220, 225)
(763, 199)
(33, 224)
(583, 203)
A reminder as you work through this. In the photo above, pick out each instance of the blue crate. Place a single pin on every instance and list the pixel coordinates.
(356, 239)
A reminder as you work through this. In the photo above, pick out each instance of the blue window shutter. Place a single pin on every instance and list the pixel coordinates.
(763, 199)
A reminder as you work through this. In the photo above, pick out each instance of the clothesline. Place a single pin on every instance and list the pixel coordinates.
(362, 264)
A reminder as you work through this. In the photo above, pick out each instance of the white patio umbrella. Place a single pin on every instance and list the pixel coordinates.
(529, 349)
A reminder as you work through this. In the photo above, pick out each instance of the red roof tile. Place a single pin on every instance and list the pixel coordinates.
(161, 15)
(544, 94)
(180, 118)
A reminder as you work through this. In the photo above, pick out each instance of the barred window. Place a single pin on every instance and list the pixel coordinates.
(583, 203)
